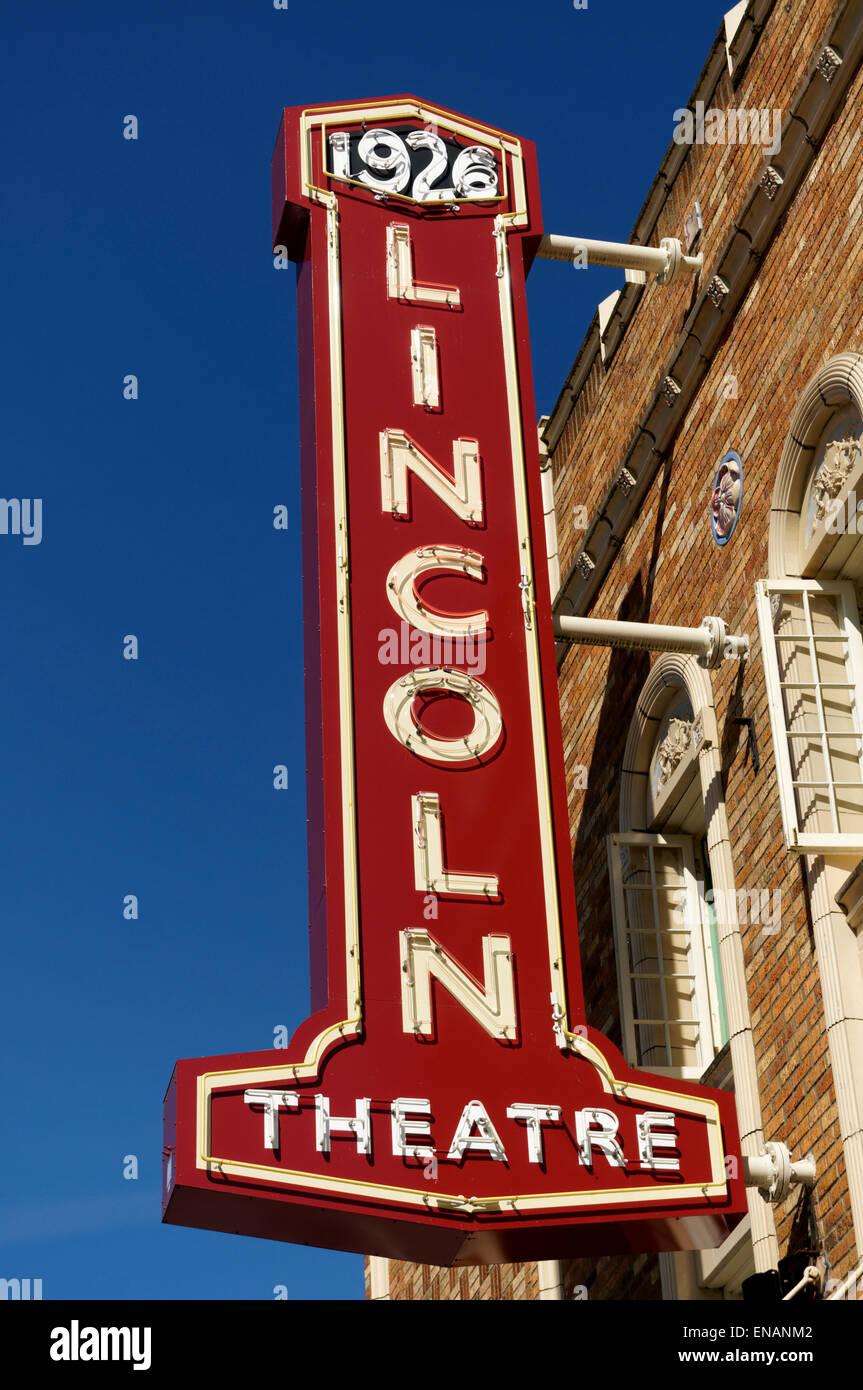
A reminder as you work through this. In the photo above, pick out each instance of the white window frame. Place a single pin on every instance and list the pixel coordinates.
(819, 842)
(696, 927)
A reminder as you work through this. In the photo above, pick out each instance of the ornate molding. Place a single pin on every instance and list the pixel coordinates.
(828, 63)
(835, 386)
(840, 456)
(673, 748)
(670, 390)
(717, 290)
(770, 182)
(668, 670)
(585, 564)
(625, 481)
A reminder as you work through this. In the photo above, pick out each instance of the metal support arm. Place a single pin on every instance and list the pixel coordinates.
(710, 642)
(773, 1172)
(664, 261)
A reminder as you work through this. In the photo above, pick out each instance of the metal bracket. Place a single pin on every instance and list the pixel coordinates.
(773, 1172)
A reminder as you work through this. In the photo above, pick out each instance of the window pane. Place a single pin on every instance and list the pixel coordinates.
(819, 706)
(661, 974)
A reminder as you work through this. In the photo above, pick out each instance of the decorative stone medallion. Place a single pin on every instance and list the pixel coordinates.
(830, 503)
(672, 748)
(840, 457)
(674, 738)
(726, 498)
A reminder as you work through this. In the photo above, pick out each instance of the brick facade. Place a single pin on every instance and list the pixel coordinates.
(428, 1282)
(805, 304)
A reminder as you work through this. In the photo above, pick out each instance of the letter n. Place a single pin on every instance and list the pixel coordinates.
(401, 455)
(492, 1005)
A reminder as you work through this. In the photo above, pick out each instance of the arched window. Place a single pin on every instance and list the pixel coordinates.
(808, 615)
(809, 621)
(677, 943)
(666, 945)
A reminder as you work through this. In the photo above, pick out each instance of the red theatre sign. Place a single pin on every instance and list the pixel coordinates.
(446, 1102)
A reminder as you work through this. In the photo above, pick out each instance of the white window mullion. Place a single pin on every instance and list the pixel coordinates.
(712, 969)
(657, 927)
(822, 718)
(701, 959)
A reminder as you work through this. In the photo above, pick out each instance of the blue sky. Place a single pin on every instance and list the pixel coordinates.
(154, 777)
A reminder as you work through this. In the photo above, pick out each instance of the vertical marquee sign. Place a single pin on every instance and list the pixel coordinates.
(447, 1102)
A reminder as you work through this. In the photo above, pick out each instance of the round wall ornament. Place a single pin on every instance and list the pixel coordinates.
(726, 498)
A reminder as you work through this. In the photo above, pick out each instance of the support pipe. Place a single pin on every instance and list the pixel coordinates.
(709, 643)
(811, 1275)
(665, 261)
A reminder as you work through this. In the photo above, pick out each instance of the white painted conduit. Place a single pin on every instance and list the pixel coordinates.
(710, 642)
(549, 516)
(666, 261)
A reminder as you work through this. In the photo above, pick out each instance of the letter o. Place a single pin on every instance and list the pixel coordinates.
(487, 720)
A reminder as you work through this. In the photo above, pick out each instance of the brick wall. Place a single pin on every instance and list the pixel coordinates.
(805, 305)
(411, 1281)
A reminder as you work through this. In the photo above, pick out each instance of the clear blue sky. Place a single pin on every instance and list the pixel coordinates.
(154, 776)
